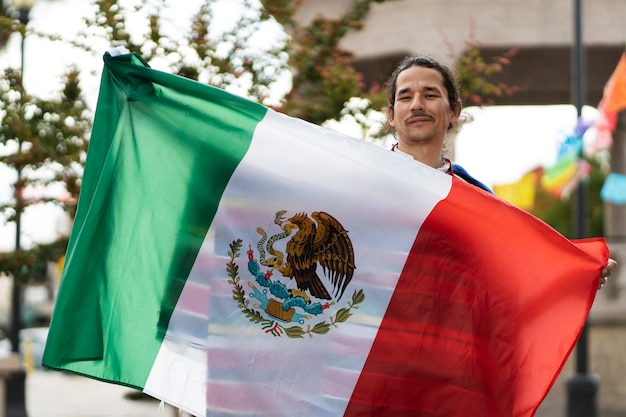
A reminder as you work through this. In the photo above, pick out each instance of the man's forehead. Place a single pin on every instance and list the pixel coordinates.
(420, 77)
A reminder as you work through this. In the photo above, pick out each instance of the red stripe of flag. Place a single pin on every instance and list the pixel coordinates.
(489, 305)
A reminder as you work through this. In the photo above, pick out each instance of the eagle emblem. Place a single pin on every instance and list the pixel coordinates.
(319, 239)
(318, 261)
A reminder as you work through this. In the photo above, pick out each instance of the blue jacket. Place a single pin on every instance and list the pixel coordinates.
(460, 172)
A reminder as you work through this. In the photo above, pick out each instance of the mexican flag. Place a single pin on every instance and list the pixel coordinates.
(233, 261)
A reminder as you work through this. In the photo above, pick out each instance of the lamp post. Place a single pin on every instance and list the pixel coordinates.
(582, 386)
(22, 10)
(16, 383)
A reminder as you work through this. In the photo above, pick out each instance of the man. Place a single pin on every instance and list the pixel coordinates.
(423, 105)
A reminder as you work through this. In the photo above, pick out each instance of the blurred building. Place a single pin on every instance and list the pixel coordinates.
(543, 34)
(542, 31)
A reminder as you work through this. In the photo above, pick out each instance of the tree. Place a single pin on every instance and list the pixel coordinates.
(5, 26)
(230, 58)
(44, 143)
(474, 73)
(322, 77)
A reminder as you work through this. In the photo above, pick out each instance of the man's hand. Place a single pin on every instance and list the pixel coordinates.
(606, 272)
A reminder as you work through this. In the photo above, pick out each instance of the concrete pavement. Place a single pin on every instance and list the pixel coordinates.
(56, 394)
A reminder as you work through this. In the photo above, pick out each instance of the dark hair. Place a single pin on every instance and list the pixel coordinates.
(422, 61)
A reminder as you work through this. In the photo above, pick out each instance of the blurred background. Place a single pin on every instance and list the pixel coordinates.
(542, 85)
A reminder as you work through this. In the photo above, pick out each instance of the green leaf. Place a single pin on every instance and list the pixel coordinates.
(294, 332)
(342, 315)
(321, 328)
(358, 297)
(254, 316)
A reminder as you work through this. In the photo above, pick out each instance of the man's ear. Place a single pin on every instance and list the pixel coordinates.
(456, 111)
(456, 114)
(390, 115)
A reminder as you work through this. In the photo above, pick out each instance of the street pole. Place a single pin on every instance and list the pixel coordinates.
(581, 386)
(16, 297)
(16, 384)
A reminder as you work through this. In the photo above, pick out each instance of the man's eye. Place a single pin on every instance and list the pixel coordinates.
(404, 98)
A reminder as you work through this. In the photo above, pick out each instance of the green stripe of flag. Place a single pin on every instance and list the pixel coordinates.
(158, 140)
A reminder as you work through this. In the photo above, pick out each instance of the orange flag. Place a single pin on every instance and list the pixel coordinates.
(613, 101)
(614, 96)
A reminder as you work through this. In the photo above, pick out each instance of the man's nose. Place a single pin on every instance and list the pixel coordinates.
(417, 104)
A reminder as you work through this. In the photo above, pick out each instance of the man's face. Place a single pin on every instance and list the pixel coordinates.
(421, 112)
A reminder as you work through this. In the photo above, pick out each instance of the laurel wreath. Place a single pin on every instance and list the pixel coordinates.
(272, 326)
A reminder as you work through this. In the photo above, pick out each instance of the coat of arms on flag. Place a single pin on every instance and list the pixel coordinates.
(319, 246)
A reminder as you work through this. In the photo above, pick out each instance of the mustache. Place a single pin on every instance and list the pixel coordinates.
(418, 114)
